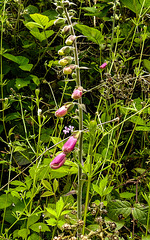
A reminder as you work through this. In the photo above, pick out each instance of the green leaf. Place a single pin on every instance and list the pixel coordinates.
(117, 207)
(26, 67)
(55, 185)
(51, 222)
(56, 140)
(140, 213)
(47, 185)
(146, 64)
(40, 227)
(146, 237)
(19, 149)
(31, 25)
(17, 183)
(137, 120)
(35, 79)
(33, 236)
(47, 194)
(40, 19)
(127, 195)
(23, 233)
(20, 83)
(59, 206)
(6, 200)
(43, 35)
(92, 34)
(135, 5)
(142, 128)
(52, 212)
(33, 219)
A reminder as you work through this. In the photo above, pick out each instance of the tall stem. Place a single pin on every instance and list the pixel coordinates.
(78, 83)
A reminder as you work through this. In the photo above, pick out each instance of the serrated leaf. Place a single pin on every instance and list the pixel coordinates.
(117, 207)
(40, 227)
(140, 213)
(92, 34)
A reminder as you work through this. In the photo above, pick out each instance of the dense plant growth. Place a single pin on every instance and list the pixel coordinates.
(75, 124)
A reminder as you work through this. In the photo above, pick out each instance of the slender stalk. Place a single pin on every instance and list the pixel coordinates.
(78, 83)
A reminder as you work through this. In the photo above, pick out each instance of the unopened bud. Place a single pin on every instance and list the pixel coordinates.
(66, 30)
(67, 70)
(59, 21)
(59, 9)
(65, 50)
(70, 40)
(66, 3)
(66, 60)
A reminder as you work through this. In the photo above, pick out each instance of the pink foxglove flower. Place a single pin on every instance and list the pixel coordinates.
(103, 65)
(62, 111)
(70, 144)
(77, 93)
(58, 161)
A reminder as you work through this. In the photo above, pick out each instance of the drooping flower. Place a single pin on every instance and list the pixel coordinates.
(67, 70)
(62, 111)
(58, 161)
(103, 65)
(70, 40)
(70, 144)
(77, 93)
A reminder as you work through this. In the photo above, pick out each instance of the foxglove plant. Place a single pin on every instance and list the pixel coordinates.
(71, 69)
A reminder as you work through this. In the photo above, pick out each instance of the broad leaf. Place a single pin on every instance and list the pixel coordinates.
(47, 185)
(135, 5)
(51, 222)
(117, 207)
(92, 34)
(40, 19)
(52, 212)
(140, 213)
(40, 227)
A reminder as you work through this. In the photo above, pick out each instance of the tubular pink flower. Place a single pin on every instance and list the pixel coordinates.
(58, 161)
(69, 145)
(103, 65)
(61, 111)
(77, 93)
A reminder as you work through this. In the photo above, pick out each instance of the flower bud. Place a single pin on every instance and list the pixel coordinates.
(59, 22)
(66, 3)
(66, 30)
(70, 144)
(77, 93)
(66, 60)
(58, 161)
(70, 40)
(103, 65)
(65, 51)
(62, 111)
(59, 9)
(67, 70)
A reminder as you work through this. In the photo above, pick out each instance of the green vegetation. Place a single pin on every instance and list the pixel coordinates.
(74, 154)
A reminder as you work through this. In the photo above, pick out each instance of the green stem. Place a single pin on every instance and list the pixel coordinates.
(78, 83)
